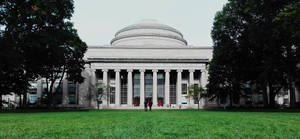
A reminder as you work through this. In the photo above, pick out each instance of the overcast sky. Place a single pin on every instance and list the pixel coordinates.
(98, 20)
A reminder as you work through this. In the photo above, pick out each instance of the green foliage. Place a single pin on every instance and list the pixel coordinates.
(43, 42)
(255, 42)
(102, 91)
(156, 124)
(289, 20)
(196, 93)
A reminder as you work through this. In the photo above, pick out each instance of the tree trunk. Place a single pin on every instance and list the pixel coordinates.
(292, 94)
(198, 104)
(20, 100)
(25, 99)
(291, 83)
(265, 95)
(60, 81)
(230, 99)
(0, 101)
(50, 100)
(272, 95)
(218, 100)
(47, 92)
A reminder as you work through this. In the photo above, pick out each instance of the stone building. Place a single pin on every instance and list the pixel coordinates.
(146, 61)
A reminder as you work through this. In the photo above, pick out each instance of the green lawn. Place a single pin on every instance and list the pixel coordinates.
(157, 124)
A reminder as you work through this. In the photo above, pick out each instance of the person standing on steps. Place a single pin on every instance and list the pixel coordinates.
(145, 105)
(150, 105)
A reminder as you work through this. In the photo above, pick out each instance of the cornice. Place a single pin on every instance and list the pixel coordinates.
(148, 35)
(149, 66)
(133, 27)
(144, 60)
(149, 47)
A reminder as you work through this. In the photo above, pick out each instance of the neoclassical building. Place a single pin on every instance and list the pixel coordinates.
(145, 61)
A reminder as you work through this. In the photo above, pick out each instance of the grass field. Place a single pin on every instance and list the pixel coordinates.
(157, 124)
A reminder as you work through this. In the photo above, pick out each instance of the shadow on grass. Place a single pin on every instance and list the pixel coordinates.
(285, 110)
(43, 110)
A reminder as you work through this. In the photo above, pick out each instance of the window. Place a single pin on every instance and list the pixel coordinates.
(123, 94)
(32, 98)
(72, 92)
(197, 75)
(148, 85)
(160, 85)
(32, 93)
(172, 94)
(184, 89)
(136, 91)
(44, 95)
(160, 89)
(136, 85)
(112, 93)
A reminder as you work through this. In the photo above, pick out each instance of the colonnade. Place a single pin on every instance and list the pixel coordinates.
(155, 85)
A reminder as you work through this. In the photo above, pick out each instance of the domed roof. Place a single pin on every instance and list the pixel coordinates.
(148, 24)
(148, 32)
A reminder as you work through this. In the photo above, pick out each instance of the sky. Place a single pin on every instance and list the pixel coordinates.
(98, 20)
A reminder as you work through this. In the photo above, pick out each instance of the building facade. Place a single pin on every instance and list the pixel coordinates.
(146, 61)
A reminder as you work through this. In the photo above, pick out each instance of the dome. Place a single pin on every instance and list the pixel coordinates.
(148, 33)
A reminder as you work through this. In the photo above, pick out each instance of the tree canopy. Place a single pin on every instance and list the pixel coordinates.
(255, 42)
(40, 42)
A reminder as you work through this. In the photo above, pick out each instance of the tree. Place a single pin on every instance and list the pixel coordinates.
(42, 34)
(224, 76)
(196, 93)
(9, 65)
(13, 78)
(288, 22)
(62, 56)
(102, 91)
(253, 46)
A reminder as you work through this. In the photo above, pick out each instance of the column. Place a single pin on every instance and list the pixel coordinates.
(154, 99)
(93, 90)
(129, 87)
(118, 86)
(203, 78)
(179, 78)
(39, 92)
(203, 84)
(142, 87)
(105, 89)
(191, 78)
(65, 98)
(167, 87)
